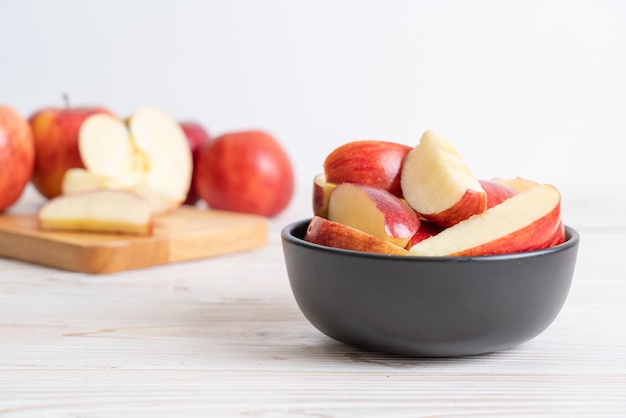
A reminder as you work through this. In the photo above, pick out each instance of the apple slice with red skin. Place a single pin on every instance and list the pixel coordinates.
(102, 210)
(321, 231)
(496, 192)
(321, 195)
(527, 221)
(375, 211)
(374, 163)
(437, 183)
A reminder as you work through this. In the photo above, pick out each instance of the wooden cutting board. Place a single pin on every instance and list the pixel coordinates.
(185, 234)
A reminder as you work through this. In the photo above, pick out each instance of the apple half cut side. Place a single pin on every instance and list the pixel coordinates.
(321, 195)
(148, 154)
(375, 211)
(371, 162)
(527, 221)
(109, 211)
(321, 231)
(437, 183)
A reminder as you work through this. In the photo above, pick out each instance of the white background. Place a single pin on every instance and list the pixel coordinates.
(529, 88)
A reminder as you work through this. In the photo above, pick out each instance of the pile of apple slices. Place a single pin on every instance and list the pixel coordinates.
(134, 169)
(387, 198)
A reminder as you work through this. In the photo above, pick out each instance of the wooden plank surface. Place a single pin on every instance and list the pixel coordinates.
(223, 337)
(186, 233)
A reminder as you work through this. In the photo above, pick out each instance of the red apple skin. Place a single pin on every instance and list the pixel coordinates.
(559, 236)
(536, 236)
(246, 172)
(374, 163)
(17, 156)
(496, 192)
(321, 231)
(197, 137)
(425, 230)
(55, 131)
(471, 203)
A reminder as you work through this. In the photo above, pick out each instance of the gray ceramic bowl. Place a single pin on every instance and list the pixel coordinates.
(428, 306)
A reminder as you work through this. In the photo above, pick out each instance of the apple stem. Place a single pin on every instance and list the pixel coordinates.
(66, 100)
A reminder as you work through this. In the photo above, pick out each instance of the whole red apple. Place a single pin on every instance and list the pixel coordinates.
(197, 137)
(55, 131)
(245, 172)
(17, 155)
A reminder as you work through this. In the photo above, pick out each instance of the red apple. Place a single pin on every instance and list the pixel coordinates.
(530, 220)
(321, 231)
(17, 155)
(370, 162)
(496, 192)
(245, 172)
(375, 211)
(55, 131)
(197, 137)
(437, 183)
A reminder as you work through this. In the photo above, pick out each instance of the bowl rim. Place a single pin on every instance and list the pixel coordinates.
(572, 238)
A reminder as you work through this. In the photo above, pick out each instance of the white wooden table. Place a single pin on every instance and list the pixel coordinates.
(223, 337)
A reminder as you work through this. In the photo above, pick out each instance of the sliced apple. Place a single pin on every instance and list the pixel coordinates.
(148, 154)
(321, 195)
(437, 183)
(375, 211)
(110, 211)
(370, 162)
(496, 192)
(527, 221)
(321, 231)
(516, 183)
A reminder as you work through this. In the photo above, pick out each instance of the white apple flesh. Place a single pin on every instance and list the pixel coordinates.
(148, 154)
(527, 221)
(437, 183)
(109, 211)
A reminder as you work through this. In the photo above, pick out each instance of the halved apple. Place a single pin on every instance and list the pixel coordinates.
(375, 211)
(111, 211)
(371, 162)
(333, 234)
(527, 221)
(321, 195)
(148, 154)
(437, 183)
